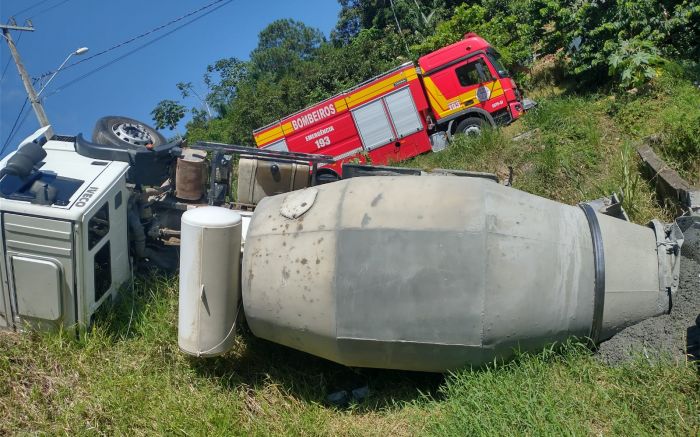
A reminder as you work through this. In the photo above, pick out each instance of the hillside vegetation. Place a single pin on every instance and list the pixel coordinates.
(631, 77)
(594, 45)
(576, 147)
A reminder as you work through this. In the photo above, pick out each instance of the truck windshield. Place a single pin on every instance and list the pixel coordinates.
(495, 59)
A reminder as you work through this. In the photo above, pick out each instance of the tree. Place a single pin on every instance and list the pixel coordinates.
(349, 22)
(281, 45)
(168, 113)
(223, 79)
(187, 90)
(498, 21)
(417, 18)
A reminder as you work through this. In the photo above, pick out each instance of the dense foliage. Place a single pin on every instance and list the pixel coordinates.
(592, 43)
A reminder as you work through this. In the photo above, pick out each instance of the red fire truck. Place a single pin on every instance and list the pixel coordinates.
(406, 111)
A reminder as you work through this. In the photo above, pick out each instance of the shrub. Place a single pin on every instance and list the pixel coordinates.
(634, 63)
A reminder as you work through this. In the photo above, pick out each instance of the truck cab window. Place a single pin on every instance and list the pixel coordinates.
(98, 226)
(468, 74)
(102, 271)
(495, 59)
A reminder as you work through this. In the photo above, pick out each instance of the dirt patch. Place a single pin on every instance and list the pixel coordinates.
(672, 335)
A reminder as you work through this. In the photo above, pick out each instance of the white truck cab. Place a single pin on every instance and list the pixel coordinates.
(63, 234)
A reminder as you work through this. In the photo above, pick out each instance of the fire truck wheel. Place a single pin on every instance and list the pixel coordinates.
(325, 176)
(470, 126)
(125, 132)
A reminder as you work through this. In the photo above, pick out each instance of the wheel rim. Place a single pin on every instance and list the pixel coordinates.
(472, 130)
(132, 133)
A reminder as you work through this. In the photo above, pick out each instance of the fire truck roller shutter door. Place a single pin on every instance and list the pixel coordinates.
(373, 125)
(403, 112)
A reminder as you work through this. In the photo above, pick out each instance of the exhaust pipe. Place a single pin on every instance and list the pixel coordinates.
(437, 273)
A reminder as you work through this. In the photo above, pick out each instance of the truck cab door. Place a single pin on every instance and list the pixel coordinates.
(476, 81)
(457, 88)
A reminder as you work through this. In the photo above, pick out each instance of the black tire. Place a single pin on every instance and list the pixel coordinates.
(125, 132)
(470, 126)
(326, 176)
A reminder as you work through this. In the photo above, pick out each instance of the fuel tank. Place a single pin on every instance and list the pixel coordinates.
(209, 293)
(433, 273)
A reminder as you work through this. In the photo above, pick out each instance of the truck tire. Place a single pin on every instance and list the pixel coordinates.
(125, 132)
(470, 126)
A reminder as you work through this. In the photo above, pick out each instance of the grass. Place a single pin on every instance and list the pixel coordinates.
(123, 378)
(669, 113)
(573, 151)
(580, 147)
(127, 376)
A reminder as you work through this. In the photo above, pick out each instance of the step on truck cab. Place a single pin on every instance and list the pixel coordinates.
(406, 111)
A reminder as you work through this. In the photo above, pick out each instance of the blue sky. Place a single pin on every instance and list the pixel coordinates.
(133, 85)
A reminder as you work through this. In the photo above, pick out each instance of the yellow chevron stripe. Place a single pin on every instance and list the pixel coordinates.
(287, 128)
(272, 134)
(381, 87)
(340, 105)
(441, 105)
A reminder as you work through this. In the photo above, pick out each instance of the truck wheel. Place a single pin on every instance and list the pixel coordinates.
(470, 126)
(125, 132)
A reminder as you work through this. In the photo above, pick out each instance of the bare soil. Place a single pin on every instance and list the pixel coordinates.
(673, 336)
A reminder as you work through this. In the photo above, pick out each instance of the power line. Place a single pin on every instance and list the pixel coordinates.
(29, 8)
(35, 15)
(7, 64)
(107, 64)
(143, 35)
(21, 123)
(12, 131)
(220, 3)
(48, 9)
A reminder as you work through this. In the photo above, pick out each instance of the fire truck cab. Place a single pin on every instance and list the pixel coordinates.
(466, 80)
(406, 111)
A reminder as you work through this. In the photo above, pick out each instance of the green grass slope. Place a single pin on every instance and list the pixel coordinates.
(127, 377)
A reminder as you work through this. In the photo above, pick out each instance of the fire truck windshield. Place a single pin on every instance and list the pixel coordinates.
(495, 59)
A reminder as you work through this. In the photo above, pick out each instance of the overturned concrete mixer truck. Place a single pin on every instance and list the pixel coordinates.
(363, 273)
(409, 270)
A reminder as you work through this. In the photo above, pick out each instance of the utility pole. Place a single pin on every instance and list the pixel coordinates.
(31, 92)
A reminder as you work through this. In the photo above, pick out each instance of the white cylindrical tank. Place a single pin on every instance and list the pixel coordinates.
(210, 252)
(435, 273)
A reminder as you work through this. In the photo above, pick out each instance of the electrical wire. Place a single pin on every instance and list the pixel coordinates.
(143, 35)
(7, 64)
(35, 15)
(28, 8)
(142, 46)
(12, 131)
(20, 35)
(221, 3)
(48, 9)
